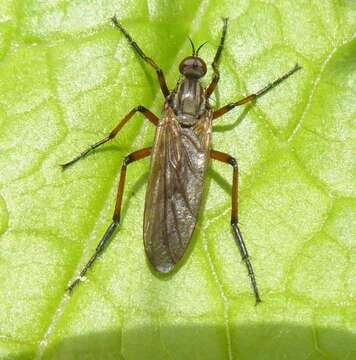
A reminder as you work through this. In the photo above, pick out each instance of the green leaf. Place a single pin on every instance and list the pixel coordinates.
(67, 76)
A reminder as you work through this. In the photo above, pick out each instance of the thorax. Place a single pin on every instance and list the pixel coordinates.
(188, 101)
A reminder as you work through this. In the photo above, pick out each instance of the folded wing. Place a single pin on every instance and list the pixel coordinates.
(175, 185)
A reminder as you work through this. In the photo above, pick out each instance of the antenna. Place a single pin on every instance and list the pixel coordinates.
(201, 47)
(193, 47)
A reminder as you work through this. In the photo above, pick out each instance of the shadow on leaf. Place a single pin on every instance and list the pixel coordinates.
(262, 341)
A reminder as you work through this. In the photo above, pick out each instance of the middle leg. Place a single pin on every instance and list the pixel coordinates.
(227, 159)
(144, 111)
(137, 155)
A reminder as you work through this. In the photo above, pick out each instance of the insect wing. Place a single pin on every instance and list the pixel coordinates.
(175, 185)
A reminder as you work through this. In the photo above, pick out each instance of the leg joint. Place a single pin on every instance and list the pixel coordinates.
(230, 106)
(126, 160)
(111, 135)
(232, 161)
(140, 108)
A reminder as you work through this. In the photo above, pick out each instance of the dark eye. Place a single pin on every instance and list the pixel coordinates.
(193, 66)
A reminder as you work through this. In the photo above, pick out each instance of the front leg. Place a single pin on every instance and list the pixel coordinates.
(227, 159)
(142, 55)
(228, 107)
(145, 112)
(215, 64)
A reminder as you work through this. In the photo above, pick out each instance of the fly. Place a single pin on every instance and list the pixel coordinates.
(179, 159)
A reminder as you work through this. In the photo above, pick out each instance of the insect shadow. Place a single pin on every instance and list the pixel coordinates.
(238, 120)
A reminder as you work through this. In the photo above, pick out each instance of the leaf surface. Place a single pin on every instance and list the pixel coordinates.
(67, 76)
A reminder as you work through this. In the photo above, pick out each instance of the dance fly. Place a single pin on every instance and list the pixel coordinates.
(180, 155)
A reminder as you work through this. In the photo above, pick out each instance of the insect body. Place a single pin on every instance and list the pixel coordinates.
(179, 159)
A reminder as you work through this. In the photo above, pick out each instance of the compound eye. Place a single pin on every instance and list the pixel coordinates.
(192, 66)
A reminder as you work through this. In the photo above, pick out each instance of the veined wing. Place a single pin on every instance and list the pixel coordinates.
(175, 185)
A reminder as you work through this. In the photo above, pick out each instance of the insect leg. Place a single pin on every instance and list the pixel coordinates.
(225, 158)
(228, 107)
(147, 113)
(215, 63)
(161, 78)
(137, 155)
